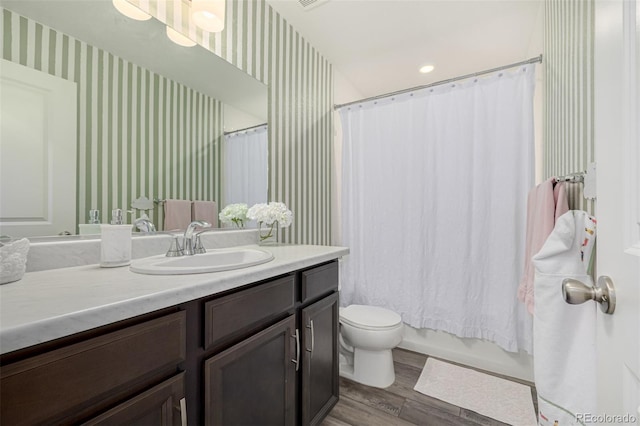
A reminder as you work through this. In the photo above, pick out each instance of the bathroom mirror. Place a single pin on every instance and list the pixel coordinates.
(151, 115)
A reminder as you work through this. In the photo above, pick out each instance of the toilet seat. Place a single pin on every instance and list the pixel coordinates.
(369, 317)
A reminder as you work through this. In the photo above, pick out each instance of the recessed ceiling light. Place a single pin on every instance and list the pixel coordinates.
(427, 68)
(178, 38)
(129, 10)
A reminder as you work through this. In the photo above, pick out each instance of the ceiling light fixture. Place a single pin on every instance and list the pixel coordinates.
(179, 38)
(426, 69)
(130, 11)
(208, 14)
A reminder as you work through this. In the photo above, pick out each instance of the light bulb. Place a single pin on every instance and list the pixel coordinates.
(208, 14)
(179, 38)
(130, 11)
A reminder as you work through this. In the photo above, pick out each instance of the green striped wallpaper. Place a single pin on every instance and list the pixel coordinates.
(258, 41)
(139, 133)
(568, 106)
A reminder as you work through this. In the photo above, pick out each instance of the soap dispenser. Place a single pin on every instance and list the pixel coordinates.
(116, 242)
(93, 227)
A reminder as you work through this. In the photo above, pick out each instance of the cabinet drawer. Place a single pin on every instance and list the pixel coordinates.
(82, 378)
(319, 281)
(238, 314)
(158, 406)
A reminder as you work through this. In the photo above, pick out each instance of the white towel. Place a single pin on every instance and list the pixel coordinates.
(177, 214)
(13, 260)
(564, 339)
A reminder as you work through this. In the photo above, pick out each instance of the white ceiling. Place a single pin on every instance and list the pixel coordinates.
(379, 45)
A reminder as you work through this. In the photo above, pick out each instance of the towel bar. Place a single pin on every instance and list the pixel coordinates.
(575, 292)
(572, 178)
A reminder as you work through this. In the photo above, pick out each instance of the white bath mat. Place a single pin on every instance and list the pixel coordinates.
(500, 399)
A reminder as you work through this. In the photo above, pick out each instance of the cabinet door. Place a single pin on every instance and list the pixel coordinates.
(253, 382)
(159, 406)
(320, 382)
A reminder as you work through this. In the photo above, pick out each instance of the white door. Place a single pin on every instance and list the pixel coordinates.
(617, 119)
(37, 152)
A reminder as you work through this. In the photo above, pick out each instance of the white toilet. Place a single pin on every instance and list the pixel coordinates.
(367, 335)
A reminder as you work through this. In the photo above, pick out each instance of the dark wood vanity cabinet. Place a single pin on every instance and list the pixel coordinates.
(106, 377)
(265, 354)
(284, 368)
(318, 316)
(319, 381)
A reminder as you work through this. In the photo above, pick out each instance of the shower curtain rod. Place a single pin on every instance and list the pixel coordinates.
(245, 129)
(386, 95)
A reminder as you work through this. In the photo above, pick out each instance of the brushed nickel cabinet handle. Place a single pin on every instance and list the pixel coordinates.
(313, 339)
(297, 360)
(183, 411)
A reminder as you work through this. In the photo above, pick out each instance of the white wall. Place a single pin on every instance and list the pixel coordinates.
(536, 47)
(344, 91)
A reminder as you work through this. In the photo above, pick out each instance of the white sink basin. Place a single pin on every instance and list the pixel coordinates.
(212, 261)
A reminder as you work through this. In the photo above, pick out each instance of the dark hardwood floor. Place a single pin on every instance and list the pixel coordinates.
(399, 404)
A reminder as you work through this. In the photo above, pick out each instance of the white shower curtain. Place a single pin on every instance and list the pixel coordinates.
(434, 205)
(245, 166)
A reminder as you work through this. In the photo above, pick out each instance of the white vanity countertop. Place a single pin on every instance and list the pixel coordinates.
(46, 305)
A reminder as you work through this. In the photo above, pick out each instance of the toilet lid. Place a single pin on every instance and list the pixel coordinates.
(369, 317)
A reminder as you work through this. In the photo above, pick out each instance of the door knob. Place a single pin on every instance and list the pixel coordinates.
(575, 292)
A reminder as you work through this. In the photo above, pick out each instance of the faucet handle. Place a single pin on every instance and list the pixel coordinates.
(198, 248)
(175, 250)
(189, 242)
(196, 224)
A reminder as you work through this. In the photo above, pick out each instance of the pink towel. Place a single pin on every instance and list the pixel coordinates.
(545, 204)
(177, 214)
(205, 210)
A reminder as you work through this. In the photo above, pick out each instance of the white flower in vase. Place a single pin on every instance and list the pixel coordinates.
(270, 215)
(234, 213)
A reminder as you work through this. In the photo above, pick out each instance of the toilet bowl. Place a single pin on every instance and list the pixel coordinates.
(367, 335)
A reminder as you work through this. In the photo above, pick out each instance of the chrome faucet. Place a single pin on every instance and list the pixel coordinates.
(145, 225)
(188, 241)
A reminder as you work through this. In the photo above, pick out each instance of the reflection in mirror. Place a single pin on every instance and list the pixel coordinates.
(151, 115)
(37, 151)
(245, 165)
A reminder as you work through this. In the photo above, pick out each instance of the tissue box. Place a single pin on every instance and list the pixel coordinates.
(13, 260)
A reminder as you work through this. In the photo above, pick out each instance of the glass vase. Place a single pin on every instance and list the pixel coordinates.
(268, 234)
